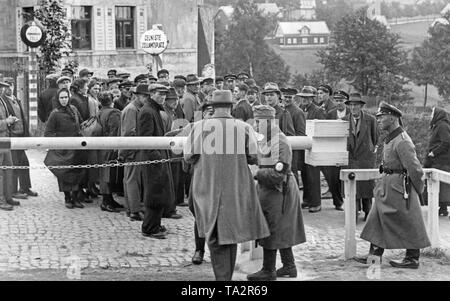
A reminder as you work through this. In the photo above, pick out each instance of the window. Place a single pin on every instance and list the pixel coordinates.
(281, 41)
(289, 41)
(294, 41)
(304, 40)
(316, 40)
(81, 27)
(322, 41)
(124, 27)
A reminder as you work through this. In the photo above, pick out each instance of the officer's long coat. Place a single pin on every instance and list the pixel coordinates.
(223, 188)
(390, 224)
(283, 213)
(361, 146)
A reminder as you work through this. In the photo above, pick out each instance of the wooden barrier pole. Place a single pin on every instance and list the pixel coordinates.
(350, 217)
(433, 208)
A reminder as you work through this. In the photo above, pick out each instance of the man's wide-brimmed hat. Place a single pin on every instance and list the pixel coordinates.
(192, 79)
(263, 112)
(221, 97)
(308, 91)
(355, 97)
(387, 109)
(271, 87)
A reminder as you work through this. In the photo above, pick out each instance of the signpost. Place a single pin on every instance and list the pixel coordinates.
(33, 35)
(154, 42)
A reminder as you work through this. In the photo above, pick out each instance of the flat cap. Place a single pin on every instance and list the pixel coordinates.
(67, 70)
(326, 88)
(263, 112)
(124, 84)
(308, 91)
(62, 78)
(162, 71)
(172, 94)
(221, 97)
(219, 79)
(85, 72)
(158, 87)
(230, 76)
(289, 91)
(207, 81)
(140, 77)
(178, 82)
(142, 89)
(179, 76)
(387, 109)
(112, 72)
(243, 75)
(341, 95)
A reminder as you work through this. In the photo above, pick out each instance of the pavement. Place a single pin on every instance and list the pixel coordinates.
(42, 234)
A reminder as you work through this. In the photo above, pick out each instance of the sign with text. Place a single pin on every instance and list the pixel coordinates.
(154, 41)
(32, 34)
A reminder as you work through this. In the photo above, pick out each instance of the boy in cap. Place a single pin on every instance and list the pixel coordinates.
(112, 73)
(395, 221)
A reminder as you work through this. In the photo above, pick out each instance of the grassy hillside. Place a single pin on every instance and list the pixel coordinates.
(299, 60)
(412, 34)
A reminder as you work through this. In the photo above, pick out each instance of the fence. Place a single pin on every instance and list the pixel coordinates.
(351, 176)
(407, 20)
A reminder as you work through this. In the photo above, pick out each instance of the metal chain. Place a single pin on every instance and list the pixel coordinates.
(113, 163)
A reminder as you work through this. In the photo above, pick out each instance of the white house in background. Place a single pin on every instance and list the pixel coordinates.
(269, 9)
(302, 34)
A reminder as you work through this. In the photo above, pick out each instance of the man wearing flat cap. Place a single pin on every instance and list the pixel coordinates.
(125, 95)
(163, 74)
(242, 77)
(191, 102)
(253, 96)
(395, 221)
(206, 85)
(310, 174)
(180, 87)
(157, 182)
(141, 79)
(299, 123)
(362, 146)
(132, 176)
(226, 205)
(325, 98)
(230, 82)
(113, 83)
(272, 95)
(67, 71)
(85, 74)
(219, 82)
(152, 79)
(332, 173)
(19, 128)
(112, 73)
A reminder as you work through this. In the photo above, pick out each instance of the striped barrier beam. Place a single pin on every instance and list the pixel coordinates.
(32, 90)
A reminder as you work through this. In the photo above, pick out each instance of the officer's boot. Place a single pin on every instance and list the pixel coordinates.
(267, 273)
(68, 200)
(289, 269)
(411, 260)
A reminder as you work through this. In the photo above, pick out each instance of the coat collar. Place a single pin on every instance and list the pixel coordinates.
(221, 115)
(393, 134)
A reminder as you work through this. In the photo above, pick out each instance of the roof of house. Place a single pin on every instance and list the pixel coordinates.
(268, 8)
(228, 10)
(292, 28)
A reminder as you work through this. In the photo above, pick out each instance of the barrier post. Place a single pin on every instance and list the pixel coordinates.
(350, 216)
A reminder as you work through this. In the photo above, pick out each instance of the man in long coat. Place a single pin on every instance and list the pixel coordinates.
(364, 134)
(227, 210)
(156, 178)
(311, 174)
(191, 102)
(395, 221)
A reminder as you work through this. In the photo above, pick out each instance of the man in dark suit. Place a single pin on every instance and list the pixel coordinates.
(364, 134)
(242, 109)
(299, 122)
(311, 174)
(331, 173)
(324, 95)
(272, 95)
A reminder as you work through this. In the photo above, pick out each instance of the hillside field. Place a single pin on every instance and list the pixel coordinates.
(305, 61)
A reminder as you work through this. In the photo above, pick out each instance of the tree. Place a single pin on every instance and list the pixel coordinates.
(332, 11)
(315, 79)
(367, 55)
(242, 47)
(421, 67)
(52, 15)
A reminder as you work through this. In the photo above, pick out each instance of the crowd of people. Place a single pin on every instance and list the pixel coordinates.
(221, 193)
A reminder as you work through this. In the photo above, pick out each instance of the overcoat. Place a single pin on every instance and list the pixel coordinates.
(191, 106)
(361, 145)
(440, 146)
(156, 178)
(110, 121)
(243, 110)
(285, 121)
(223, 189)
(281, 208)
(81, 102)
(65, 122)
(390, 224)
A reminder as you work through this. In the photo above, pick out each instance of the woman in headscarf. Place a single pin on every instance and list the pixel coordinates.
(439, 153)
(65, 121)
(279, 196)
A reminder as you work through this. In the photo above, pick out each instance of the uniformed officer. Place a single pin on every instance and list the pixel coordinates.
(395, 221)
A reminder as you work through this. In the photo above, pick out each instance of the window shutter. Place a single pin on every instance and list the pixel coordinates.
(98, 28)
(141, 12)
(110, 30)
(21, 47)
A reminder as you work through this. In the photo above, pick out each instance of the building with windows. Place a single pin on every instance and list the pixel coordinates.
(302, 34)
(106, 33)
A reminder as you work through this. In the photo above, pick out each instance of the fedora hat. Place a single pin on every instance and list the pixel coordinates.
(158, 87)
(355, 97)
(192, 79)
(221, 97)
(263, 112)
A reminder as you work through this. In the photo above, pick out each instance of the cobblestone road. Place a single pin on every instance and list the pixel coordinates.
(43, 234)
